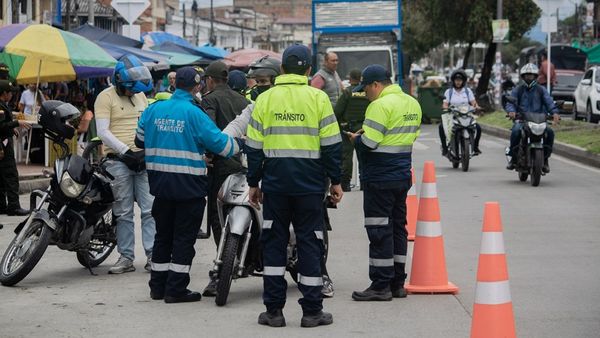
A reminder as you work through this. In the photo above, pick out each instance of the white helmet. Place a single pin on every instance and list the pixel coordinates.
(530, 68)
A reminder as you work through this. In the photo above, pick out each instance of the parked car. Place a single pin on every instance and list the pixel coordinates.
(566, 83)
(587, 96)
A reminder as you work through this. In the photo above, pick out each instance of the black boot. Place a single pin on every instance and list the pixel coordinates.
(399, 292)
(17, 212)
(273, 318)
(320, 318)
(190, 296)
(211, 289)
(546, 166)
(444, 150)
(370, 295)
(510, 165)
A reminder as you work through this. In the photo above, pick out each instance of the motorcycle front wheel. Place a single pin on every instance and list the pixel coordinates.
(465, 153)
(536, 168)
(20, 258)
(523, 177)
(229, 259)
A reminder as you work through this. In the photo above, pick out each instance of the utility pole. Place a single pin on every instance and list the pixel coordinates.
(212, 38)
(184, 21)
(499, 17)
(91, 12)
(68, 20)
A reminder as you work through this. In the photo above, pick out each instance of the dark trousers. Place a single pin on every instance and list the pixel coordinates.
(515, 138)
(347, 154)
(385, 221)
(306, 214)
(177, 224)
(443, 136)
(9, 182)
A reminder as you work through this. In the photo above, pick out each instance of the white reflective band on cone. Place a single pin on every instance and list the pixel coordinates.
(179, 268)
(160, 266)
(492, 243)
(412, 190)
(267, 224)
(428, 190)
(381, 262)
(310, 281)
(429, 229)
(376, 220)
(319, 234)
(492, 293)
(274, 270)
(399, 259)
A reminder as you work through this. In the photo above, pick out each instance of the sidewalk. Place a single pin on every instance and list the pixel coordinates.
(31, 177)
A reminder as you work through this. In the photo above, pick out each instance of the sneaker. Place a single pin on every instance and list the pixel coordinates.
(211, 289)
(546, 167)
(510, 166)
(327, 289)
(122, 265)
(148, 266)
(273, 318)
(444, 151)
(321, 318)
(477, 151)
(399, 293)
(370, 295)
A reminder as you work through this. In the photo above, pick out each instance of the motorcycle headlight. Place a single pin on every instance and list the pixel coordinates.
(69, 187)
(465, 121)
(537, 128)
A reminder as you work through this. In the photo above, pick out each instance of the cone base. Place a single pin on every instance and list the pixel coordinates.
(411, 238)
(449, 288)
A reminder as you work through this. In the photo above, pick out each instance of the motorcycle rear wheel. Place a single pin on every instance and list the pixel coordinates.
(35, 242)
(227, 269)
(99, 250)
(523, 177)
(536, 170)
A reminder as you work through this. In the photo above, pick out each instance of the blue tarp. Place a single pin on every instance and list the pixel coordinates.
(163, 41)
(152, 59)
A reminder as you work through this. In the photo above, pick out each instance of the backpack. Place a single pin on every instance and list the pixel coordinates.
(452, 91)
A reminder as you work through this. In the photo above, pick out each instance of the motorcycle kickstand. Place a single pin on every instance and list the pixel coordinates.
(87, 263)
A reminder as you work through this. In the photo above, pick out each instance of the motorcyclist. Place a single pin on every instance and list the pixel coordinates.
(531, 98)
(265, 70)
(458, 94)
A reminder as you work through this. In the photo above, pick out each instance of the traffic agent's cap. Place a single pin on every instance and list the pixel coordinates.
(371, 74)
(216, 69)
(237, 80)
(186, 77)
(4, 71)
(7, 86)
(297, 56)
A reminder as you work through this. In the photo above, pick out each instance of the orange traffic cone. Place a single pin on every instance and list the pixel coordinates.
(412, 207)
(492, 312)
(428, 273)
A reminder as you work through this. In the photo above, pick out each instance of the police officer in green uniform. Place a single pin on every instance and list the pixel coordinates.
(350, 113)
(9, 176)
(391, 126)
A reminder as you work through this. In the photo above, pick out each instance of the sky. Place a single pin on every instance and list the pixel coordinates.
(564, 11)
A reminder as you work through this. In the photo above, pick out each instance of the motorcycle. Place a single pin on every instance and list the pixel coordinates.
(530, 150)
(462, 137)
(74, 213)
(239, 253)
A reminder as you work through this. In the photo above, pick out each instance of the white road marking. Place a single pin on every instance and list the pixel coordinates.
(419, 146)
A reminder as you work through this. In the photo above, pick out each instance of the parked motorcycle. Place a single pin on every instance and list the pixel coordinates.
(530, 150)
(239, 253)
(462, 136)
(74, 212)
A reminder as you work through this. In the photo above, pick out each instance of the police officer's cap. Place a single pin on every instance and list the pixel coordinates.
(372, 73)
(187, 77)
(217, 69)
(297, 56)
(6, 86)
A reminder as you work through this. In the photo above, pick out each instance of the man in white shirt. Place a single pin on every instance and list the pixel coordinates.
(26, 104)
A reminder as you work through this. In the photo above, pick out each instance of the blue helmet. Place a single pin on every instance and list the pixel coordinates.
(131, 74)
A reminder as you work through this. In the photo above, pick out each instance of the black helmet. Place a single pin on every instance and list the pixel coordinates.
(54, 116)
(265, 66)
(459, 73)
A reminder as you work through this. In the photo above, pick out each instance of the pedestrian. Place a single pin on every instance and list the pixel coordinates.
(171, 78)
(350, 113)
(175, 134)
(327, 78)
(27, 102)
(293, 145)
(117, 110)
(263, 73)
(544, 77)
(9, 176)
(222, 105)
(391, 125)
(237, 81)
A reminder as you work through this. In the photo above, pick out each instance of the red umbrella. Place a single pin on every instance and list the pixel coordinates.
(243, 57)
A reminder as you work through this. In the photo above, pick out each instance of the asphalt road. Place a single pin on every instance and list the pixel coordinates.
(551, 234)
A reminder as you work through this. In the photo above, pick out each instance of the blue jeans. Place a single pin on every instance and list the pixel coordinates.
(515, 138)
(129, 186)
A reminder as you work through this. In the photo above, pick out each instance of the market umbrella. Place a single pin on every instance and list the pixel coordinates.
(244, 57)
(37, 53)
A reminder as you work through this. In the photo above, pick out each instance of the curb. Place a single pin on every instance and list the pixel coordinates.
(28, 184)
(571, 152)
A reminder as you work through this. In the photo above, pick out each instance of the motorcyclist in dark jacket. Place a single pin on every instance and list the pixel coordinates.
(531, 98)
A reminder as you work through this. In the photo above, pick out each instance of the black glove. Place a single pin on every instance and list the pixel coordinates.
(241, 143)
(134, 160)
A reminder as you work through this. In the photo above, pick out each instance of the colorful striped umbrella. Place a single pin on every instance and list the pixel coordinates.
(37, 53)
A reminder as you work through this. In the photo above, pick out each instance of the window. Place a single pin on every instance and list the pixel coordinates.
(588, 74)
